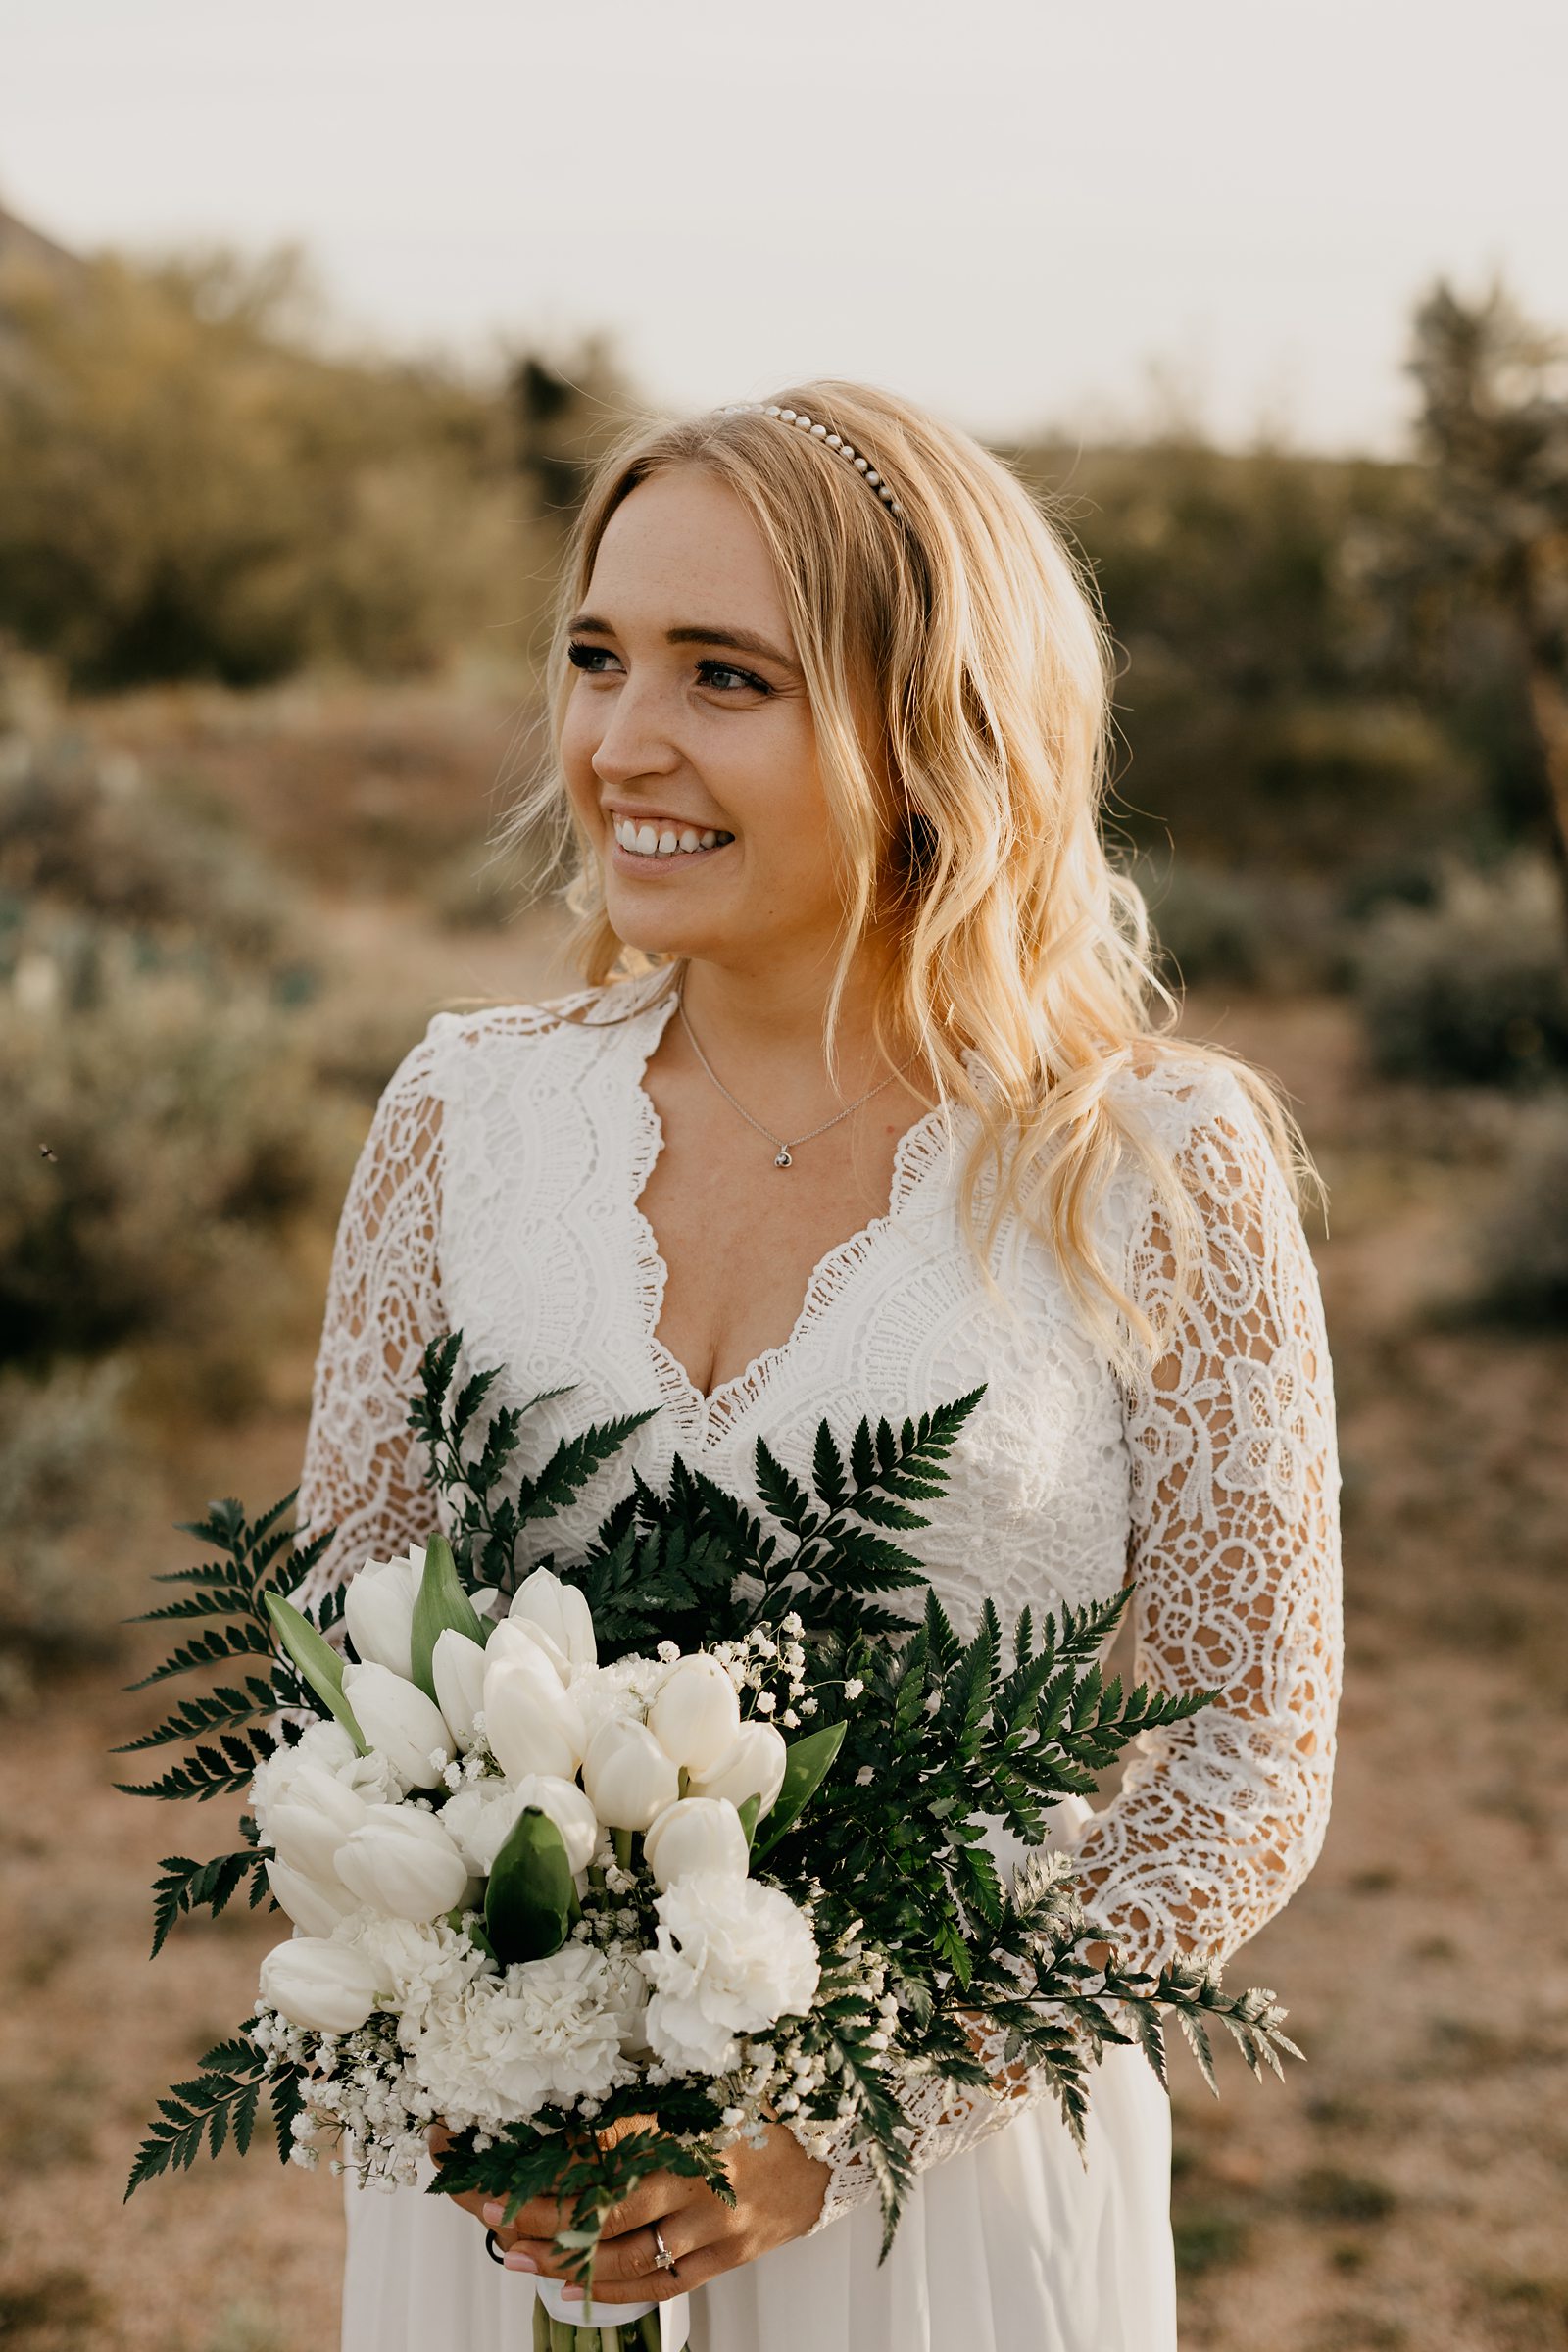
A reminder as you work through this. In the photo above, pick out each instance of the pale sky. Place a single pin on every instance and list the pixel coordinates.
(1018, 212)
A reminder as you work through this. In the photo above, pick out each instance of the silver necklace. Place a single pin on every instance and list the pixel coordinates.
(786, 1147)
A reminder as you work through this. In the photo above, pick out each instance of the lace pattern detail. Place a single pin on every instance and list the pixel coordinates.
(497, 1192)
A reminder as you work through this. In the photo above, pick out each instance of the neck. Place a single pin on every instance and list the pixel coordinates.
(773, 1022)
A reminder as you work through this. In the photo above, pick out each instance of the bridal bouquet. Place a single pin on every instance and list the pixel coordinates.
(604, 1865)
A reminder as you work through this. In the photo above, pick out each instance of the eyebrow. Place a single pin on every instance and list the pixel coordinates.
(740, 641)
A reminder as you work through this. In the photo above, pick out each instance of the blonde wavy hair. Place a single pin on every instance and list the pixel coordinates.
(971, 631)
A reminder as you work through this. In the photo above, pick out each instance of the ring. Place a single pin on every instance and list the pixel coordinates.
(490, 2244)
(663, 2260)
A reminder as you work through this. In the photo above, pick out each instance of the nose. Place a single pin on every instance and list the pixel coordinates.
(635, 739)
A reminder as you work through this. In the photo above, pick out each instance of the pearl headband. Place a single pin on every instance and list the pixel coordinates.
(817, 432)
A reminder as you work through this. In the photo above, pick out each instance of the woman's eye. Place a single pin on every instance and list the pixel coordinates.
(583, 657)
(727, 669)
(723, 676)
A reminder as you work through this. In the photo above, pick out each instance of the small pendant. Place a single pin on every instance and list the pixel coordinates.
(784, 1160)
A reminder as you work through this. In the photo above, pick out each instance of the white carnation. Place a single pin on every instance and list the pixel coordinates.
(624, 1689)
(731, 1957)
(416, 1967)
(507, 2046)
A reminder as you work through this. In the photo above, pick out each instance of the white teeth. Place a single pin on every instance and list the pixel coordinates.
(643, 842)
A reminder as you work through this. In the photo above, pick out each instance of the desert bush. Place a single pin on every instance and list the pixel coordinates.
(1216, 926)
(1473, 987)
(86, 843)
(1522, 1247)
(70, 1483)
(188, 488)
(157, 1144)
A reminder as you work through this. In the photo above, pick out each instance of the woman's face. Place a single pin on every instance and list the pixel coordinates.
(689, 747)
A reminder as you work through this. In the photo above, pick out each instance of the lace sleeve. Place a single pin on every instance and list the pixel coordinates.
(364, 1468)
(1235, 1549)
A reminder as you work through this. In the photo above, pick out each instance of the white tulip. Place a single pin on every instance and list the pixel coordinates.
(558, 1610)
(328, 1746)
(629, 1775)
(309, 1825)
(322, 1985)
(404, 1862)
(522, 1638)
(482, 1817)
(397, 1718)
(378, 1610)
(697, 1832)
(456, 1666)
(315, 1904)
(531, 1722)
(753, 1767)
(695, 1715)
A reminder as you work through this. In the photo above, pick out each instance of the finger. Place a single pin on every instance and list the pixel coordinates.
(635, 2255)
(649, 2201)
(663, 2286)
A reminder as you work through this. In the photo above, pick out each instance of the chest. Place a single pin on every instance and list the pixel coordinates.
(553, 1266)
(739, 1238)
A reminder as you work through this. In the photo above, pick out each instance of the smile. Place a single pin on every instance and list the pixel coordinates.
(645, 841)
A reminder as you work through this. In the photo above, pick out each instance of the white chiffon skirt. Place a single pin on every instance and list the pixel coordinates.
(1013, 2247)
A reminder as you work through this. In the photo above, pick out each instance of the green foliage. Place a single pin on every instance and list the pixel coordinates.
(219, 2102)
(694, 1565)
(243, 1585)
(317, 1664)
(187, 1886)
(488, 1518)
(440, 1607)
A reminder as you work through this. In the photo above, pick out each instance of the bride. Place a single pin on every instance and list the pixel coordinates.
(866, 1101)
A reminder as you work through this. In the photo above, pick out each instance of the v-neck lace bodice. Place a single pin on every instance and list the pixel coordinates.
(497, 1194)
(729, 1399)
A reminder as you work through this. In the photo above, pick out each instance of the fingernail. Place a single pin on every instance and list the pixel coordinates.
(515, 2260)
(571, 2294)
(495, 2213)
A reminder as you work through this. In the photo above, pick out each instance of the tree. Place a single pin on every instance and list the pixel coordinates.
(1494, 432)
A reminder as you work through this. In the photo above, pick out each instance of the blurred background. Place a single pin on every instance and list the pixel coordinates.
(311, 322)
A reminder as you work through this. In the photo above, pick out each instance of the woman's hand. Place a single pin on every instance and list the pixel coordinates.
(779, 2195)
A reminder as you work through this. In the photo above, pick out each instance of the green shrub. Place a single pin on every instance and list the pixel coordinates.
(1473, 988)
(71, 1482)
(154, 1145)
(89, 848)
(188, 489)
(1522, 1248)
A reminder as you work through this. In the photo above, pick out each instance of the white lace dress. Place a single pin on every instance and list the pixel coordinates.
(498, 1192)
